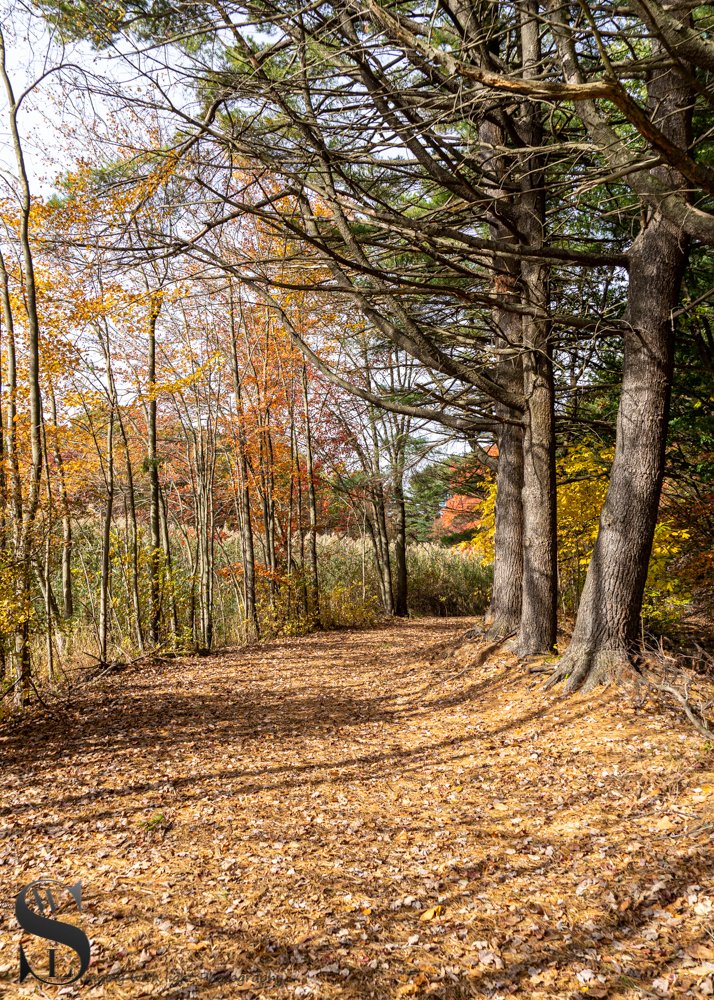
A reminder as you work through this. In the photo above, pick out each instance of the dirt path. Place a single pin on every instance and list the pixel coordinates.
(364, 814)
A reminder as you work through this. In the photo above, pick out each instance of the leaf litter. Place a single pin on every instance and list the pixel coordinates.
(379, 813)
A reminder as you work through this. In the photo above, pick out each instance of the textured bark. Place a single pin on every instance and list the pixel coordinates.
(505, 611)
(504, 614)
(608, 617)
(540, 565)
(540, 568)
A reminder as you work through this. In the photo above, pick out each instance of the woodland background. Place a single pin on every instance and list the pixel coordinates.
(327, 314)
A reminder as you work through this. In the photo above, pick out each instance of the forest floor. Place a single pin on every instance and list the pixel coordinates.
(384, 813)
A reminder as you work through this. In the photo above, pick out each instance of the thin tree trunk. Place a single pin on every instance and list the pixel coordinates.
(313, 583)
(400, 543)
(381, 538)
(24, 553)
(67, 595)
(153, 470)
(105, 584)
(250, 611)
(170, 583)
(134, 538)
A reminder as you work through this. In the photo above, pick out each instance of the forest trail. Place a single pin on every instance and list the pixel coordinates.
(365, 814)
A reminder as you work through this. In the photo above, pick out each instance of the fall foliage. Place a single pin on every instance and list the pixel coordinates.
(357, 494)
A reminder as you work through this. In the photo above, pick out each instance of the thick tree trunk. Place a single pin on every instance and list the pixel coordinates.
(504, 614)
(540, 565)
(540, 568)
(608, 617)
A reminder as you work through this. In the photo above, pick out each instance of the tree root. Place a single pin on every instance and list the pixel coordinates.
(582, 669)
(502, 629)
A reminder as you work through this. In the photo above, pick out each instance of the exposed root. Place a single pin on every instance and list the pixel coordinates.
(668, 675)
(582, 670)
(501, 629)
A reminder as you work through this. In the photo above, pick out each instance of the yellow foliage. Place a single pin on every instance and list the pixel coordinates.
(482, 544)
(583, 477)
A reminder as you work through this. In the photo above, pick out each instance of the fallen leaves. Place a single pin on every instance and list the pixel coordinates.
(312, 824)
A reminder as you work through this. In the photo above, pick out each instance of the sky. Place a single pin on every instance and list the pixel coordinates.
(58, 118)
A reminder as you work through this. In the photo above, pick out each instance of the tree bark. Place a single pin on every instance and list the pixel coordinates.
(539, 610)
(313, 585)
(250, 612)
(504, 614)
(153, 470)
(401, 602)
(67, 543)
(608, 617)
(104, 591)
(29, 512)
(540, 567)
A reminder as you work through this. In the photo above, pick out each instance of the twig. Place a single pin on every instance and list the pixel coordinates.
(10, 688)
(696, 716)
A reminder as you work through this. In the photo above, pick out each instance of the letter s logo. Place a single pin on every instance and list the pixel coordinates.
(50, 929)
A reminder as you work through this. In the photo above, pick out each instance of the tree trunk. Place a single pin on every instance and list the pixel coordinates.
(504, 614)
(134, 539)
(608, 617)
(170, 582)
(67, 595)
(506, 596)
(104, 591)
(540, 564)
(313, 586)
(29, 513)
(153, 470)
(400, 545)
(250, 612)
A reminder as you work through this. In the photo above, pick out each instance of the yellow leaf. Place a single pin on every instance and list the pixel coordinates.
(433, 911)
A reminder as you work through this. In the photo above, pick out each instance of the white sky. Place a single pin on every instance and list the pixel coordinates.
(56, 120)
